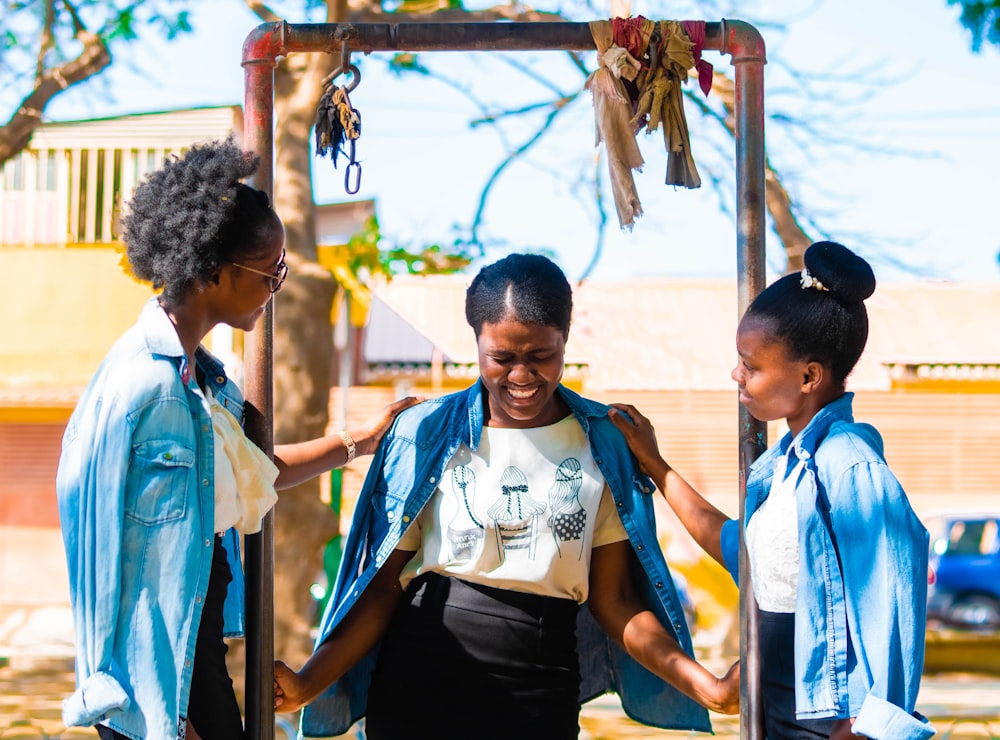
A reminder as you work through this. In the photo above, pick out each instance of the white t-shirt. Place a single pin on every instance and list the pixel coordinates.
(522, 513)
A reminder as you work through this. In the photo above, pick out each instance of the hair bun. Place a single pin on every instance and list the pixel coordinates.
(846, 275)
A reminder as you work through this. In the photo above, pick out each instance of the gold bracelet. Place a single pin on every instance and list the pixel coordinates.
(349, 444)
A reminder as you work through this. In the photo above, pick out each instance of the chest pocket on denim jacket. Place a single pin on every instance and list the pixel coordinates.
(159, 479)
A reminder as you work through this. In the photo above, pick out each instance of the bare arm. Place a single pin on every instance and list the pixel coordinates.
(363, 626)
(303, 461)
(701, 519)
(623, 615)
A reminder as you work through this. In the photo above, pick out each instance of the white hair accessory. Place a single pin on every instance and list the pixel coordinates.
(808, 281)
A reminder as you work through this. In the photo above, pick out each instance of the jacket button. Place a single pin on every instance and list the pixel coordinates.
(619, 504)
(391, 515)
(659, 584)
(433, 479)
(406, 518)
(208, 543)
(221, 379)
(639, 548)
(168, 456)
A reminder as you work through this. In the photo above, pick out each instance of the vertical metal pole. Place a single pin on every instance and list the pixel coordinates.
(747, 49)
(258, 362)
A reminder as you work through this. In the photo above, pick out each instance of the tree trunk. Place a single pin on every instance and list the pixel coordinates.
(303, 354)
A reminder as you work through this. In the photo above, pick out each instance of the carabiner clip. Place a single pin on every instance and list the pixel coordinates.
(356, 166)
(357, 178)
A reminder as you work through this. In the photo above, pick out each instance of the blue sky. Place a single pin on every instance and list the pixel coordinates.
(919, 200)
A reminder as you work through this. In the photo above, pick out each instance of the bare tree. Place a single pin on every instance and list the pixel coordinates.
(52, 39)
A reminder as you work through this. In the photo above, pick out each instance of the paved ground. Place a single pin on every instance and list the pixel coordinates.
(32, 689)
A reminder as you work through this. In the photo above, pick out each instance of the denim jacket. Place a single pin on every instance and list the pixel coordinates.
(136, 503)
(861, 606)
(405, 472)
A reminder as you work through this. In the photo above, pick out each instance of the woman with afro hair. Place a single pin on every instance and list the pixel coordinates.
(156, 479)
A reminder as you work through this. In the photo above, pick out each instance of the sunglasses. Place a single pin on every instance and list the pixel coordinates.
(276, 279)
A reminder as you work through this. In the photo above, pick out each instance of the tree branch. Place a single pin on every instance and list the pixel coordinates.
(92, 60)
(262, 11)
(793, 237)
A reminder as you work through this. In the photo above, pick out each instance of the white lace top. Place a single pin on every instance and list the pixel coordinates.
(772, 538)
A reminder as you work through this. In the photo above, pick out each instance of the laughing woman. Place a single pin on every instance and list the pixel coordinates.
(488, 518)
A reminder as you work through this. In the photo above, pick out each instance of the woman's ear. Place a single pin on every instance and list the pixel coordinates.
(813, 376)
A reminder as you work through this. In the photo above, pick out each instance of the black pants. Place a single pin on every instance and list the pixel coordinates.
(777, 675)
(461, 660)
(212, 706)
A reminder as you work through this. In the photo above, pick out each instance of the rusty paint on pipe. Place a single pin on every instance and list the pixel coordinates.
(746, 47)
(259, 388)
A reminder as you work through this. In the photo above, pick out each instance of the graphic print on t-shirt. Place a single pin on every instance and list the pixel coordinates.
(515, 514)
(465, 532)
(569, 518)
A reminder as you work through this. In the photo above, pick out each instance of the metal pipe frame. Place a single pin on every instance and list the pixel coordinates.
(261, 50)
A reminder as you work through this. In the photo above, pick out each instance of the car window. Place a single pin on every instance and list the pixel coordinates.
(973, 538)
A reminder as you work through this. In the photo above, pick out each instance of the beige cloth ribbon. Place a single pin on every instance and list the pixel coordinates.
(660, 102)
(244, 475)
(612, 114)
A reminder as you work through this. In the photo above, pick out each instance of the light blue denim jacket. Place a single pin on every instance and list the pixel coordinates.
(861, 607)
(136, 493)
(405, 472)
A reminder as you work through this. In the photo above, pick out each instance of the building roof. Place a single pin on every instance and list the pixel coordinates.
(170, 130)
(673, 334)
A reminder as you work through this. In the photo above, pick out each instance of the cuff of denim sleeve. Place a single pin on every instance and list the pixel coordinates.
(729, 541)
(98, 696)
(883, 720)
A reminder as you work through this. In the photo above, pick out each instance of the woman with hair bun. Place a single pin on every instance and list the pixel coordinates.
(838, 559)
(156, 477)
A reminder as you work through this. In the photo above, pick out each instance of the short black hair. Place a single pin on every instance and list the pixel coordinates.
(193, 215)
(820, 313)
(527, 287)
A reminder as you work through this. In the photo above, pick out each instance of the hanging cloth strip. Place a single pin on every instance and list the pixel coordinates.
(696, 32)
(650, 94)
(613, 113)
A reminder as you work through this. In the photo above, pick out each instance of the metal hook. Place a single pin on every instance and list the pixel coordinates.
(355, 77)
(345, 66)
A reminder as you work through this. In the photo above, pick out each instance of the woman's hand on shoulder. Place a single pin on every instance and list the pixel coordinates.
(640, 436)
(376, 427)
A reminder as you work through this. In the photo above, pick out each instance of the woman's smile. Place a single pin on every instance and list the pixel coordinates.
(520, 366)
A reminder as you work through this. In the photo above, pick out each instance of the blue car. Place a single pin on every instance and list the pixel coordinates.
(964, 576)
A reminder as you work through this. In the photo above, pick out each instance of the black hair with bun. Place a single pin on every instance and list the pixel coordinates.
(820, 313)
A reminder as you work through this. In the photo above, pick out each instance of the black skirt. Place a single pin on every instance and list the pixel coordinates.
(462, 660)
(777, 676)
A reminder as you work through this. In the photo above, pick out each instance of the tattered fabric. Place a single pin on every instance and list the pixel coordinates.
(613, 114)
